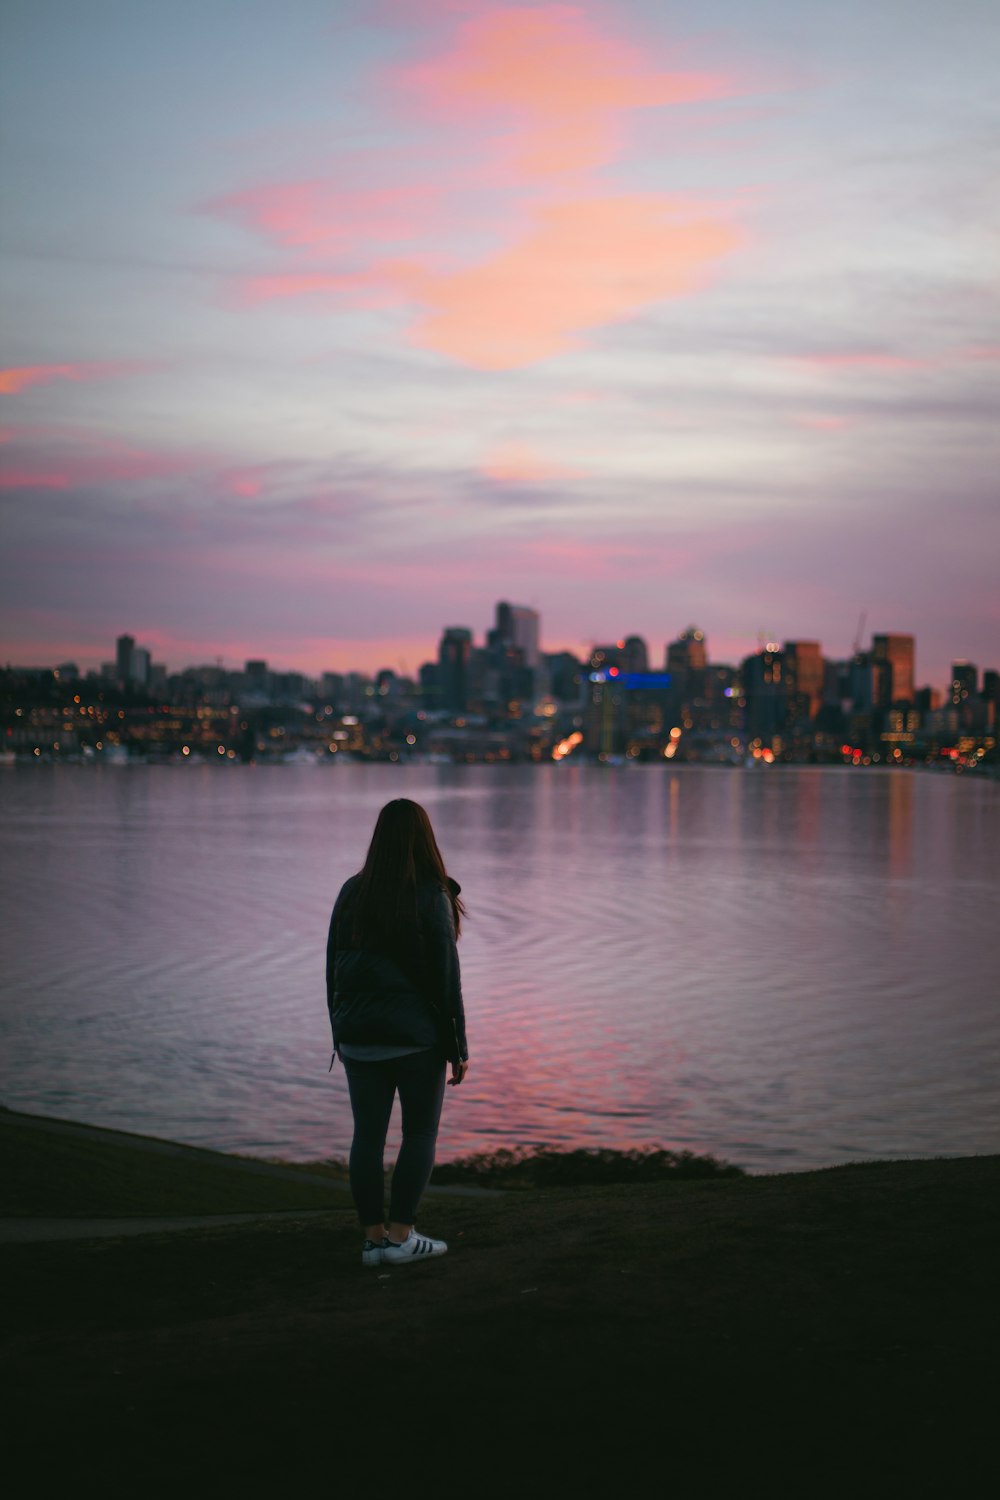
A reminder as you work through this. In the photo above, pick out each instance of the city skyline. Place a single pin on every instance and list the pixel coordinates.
(316, 320)
(899, 648)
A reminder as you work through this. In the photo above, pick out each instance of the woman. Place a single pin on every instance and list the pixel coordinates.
(394, 994)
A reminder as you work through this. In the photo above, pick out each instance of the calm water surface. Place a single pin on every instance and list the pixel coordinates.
(788, 967)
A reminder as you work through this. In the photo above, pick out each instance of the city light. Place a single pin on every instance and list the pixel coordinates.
(506, 699)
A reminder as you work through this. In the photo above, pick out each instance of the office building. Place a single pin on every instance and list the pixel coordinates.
(804, 670)
(454, 654)
(894, 653)
(517, 628)
(124, 646)
(964, 678)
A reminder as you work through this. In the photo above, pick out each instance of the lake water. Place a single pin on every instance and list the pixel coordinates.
(790, 967)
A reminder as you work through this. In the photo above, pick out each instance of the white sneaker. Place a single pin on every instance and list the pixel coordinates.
(371, 1253)
(414, 1247)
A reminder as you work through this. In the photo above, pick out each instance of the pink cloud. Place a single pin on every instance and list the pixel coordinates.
(560, 81)
(55, 459)
(857, 359)
(363, 289)
(581, 265)
(823, 422)
(321, 215)
(497, 226)
(603, 558)
(519, 463)
(979, 352)
(882, 361)
(243, 483)
(34, 479)
(585, 263)
(19, 378)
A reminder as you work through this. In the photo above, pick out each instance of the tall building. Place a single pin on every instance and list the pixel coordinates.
(688, 653)
(635, 657)
(764, 691)
(686, 662)
(964, 678)
(124, 646)
(566, 676)
(897, 652)
(257, 680)
(517, 627)
(804, 668)
(454, 653)
(139, 667)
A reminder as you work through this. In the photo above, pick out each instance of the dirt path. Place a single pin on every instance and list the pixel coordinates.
(24, 1231)
(122, 1219)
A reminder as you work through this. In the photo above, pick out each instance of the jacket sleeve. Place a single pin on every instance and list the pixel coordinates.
(443, 974)
(331, 964)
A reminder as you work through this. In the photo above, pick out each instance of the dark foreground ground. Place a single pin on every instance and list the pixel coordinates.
(810, 1334)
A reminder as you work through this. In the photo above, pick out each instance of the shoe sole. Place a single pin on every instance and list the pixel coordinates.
(418, 1255)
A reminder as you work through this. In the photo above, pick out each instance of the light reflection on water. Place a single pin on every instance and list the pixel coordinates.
(789, 967)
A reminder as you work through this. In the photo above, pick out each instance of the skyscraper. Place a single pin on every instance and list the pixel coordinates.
(454, 653)
(124, 646)
(687, 660)
(897, 652)
(517, 626)
(688, 653)
(803, 679)
(963, 682)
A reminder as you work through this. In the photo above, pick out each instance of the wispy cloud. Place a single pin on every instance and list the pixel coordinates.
(557, 83)
(520, 463)
(501, 223)
(20, 378)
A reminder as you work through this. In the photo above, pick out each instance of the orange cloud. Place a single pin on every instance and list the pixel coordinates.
(528, 105)
(21, 377)
(519, 463)
(563, 81)
(585, 264)
(322, 216)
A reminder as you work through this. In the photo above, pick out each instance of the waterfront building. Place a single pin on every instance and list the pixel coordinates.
(566, 677)
(764, 690)
(689, 653)
(454, 654)
(517, 628)
(635, 656)
(804, 673)
(139, 667)
(896, 652)
(963, 682)
(124, 646)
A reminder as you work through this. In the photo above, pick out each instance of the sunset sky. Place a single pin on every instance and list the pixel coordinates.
(328, 324)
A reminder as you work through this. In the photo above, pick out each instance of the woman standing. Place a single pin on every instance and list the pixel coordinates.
(394, 994)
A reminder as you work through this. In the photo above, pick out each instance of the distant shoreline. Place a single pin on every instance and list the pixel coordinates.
(13, 761)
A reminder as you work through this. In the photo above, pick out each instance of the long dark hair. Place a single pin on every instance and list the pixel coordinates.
(403, 852)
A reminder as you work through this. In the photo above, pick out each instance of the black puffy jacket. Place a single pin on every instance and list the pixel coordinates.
(412, 998)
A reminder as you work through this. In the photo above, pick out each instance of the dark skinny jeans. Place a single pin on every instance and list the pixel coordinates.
(419, 1078)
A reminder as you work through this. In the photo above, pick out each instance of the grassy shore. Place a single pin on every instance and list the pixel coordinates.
(807, 1334)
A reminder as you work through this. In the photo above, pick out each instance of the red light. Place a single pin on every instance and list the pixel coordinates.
(612, 671)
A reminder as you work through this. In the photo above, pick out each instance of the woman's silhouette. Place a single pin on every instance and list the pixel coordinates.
(394, 995)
